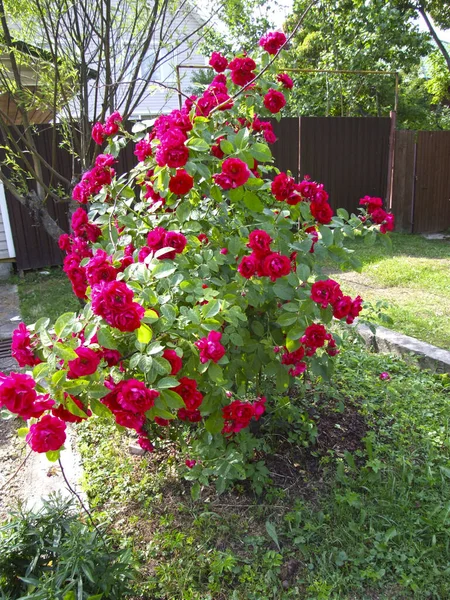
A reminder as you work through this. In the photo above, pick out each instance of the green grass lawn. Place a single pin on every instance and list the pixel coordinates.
(45, 295)
(414, 279)
(361, 515)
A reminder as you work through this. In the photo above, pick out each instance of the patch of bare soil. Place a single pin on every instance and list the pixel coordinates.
(12, 455)
(29, 477)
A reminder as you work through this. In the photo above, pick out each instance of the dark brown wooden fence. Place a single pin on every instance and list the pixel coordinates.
(421, 189)
(35, 249)
(348, 155)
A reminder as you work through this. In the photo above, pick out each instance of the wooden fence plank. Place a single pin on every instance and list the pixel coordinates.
(403, 182)
(349, 155)
(432, 199)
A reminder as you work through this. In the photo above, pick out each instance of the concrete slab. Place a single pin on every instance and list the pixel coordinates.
(9, 310)
(386, 340)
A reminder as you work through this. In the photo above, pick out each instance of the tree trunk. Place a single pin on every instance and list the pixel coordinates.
(41, 216)
(435, 36)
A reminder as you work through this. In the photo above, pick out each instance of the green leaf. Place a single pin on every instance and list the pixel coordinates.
(227, 147)
(341, 212)
(151, 316)
(327, 235)
(215, 372)
(169, 312)
(295, 332)
(216, 193)
(183, 211)
(283, 290)
(261, 152)
(154, 348)
(162, 366)
(236, 194)
(282, 383)
(144, 334)
(40, 371)
(97, 390)
(172, 399)
(106, 339)
(270, 528)
(198, 144)
(163, 269)
(258, 328)
(167, 382)
(286, 319)
(241, 138)
(53, 455)
(41, 324)
(64, 324)
(74, 409)
(303, 272)
(22, 431)
(236, 339)
(211, 309)
(195, 491)
(99, 409)
(214, 423)
(252, 202)
(64, 352)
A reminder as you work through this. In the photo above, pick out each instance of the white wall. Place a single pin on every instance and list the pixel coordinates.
(6, 241)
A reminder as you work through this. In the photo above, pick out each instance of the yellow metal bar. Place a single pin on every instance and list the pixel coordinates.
(298, 70)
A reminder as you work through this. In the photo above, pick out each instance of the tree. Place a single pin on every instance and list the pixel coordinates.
(343, 35)
(87, 59)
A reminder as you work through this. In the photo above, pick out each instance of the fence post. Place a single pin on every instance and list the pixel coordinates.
(391, 159)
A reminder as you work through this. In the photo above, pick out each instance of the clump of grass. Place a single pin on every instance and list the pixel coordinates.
(414, 279)
(45, 295)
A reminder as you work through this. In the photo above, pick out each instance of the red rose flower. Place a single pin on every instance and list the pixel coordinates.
(276, 265)
(189, 392)
(248, 266)
(323, 213)
(282, 186)
(315, 336)
(274, 101)
(235, 173)
(285, 81)
(143, 149)
(98, 133)
(272, 41)
(135, 397)
(86, 363)
(47, 435)
(210, 347)
(181, 183)
(342, 307)
(175, 361)
(218, 62)
(325, 292)
(112, 123)
(155, 238)
(242, 70)
(17, 392)
(259, 241)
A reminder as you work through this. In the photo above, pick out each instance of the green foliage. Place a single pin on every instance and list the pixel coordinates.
(362, 514)
(52, 555)
(373, 36)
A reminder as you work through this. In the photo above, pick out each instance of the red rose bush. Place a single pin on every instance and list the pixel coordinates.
(200, 270)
